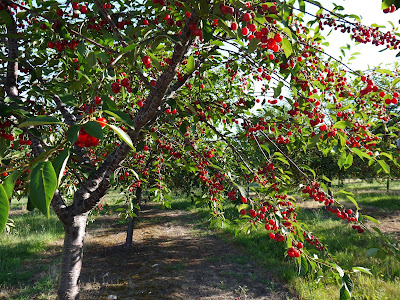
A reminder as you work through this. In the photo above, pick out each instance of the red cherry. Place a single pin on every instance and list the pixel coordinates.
(242, 211)
(323, 127)
(271, 235)
(244, 199)
(245, 31)
(50, 45)
(43, 26)
(83, 9)
(125, 82)
(116, 87)
(246, 17)
(278, 38)
(102, 122)
(299, 245)
(146, 60)
(97, 100)
(234, 26)
(75, 5)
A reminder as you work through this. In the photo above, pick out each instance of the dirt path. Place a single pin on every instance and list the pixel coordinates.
(171, 259)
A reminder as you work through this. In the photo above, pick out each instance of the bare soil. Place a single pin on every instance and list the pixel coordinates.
(171, 259)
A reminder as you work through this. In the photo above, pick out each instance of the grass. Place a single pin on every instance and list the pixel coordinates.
(26, 257)
(347, 247)
(375, 194)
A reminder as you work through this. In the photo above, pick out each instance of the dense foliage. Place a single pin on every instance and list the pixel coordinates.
(159, 93)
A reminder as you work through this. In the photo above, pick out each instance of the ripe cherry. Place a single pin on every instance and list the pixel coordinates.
(102, 122)
(125, 82)
(245, 31)
(246, 17)
(146, 60)
(278, 38)
(83, 9)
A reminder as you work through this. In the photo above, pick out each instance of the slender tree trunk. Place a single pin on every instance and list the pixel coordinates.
(387, 184)
(71, 263)
(131, 225)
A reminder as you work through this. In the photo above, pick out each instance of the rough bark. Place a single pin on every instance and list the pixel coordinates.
(12, 65)
(72, 256)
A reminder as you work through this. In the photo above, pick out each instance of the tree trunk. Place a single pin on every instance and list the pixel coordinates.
(387, 184)
(131, 225)
(71, 263)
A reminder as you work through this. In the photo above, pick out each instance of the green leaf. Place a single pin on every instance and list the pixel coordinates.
(94, 129)
(341, 124)
(241, 190)
(340, 270)
(394, 82)
(326, 178)
(190, 66)
(371, 219)
(303, 267)
(384, 166)
(108, 104)
(347, 287)
(5, 17)
(119, 115)
(288, 32)
(40, 120)
(353, 200)
(385, 71)
(342, 160)
(361, 154)
(129, 48)
(122, 135)
(287, 47)
(91, 60)
(362, 269)
(302, 5)
(42, 186)
(372, 251)
(59, 164)
(252, 46)
(4, 208)
(349, 161)
(9, 183)
(72, 133)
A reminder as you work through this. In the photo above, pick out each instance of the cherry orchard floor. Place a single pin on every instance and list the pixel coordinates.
(171, 259)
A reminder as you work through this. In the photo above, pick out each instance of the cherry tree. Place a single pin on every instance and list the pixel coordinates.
(99, 93)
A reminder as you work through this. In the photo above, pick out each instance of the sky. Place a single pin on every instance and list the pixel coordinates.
(370, 12)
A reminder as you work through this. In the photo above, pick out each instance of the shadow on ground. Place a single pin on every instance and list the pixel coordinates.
(171, 259)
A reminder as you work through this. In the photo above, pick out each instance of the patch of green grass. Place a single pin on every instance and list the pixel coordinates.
(374, 194)
(22, 249)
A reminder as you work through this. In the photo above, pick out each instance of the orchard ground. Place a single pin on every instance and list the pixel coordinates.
(177, 256)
